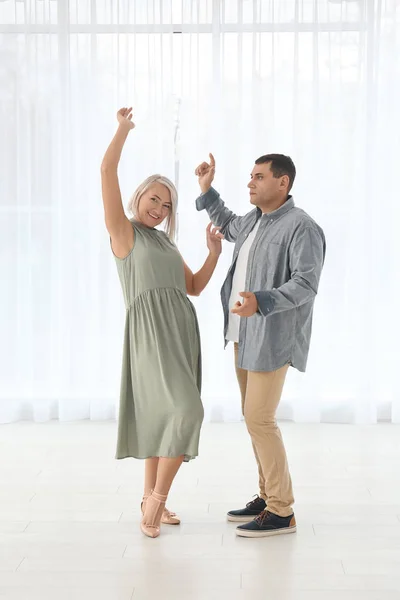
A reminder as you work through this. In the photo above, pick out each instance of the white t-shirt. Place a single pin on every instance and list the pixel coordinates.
(238, 284)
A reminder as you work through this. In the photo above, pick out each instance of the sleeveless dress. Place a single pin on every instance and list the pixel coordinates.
(160, 406)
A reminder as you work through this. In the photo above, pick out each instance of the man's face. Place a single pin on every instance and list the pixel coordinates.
(264, 187)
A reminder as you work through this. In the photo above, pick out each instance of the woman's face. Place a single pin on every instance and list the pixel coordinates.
(154, 205)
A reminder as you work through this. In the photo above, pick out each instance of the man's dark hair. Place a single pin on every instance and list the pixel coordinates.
(280, 165)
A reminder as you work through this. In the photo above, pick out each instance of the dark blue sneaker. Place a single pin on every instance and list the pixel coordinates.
(244, 515)
(267, 524)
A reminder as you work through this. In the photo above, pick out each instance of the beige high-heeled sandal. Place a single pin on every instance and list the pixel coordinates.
(150, 524)
(167, 518)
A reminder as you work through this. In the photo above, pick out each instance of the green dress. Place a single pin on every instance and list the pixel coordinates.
(160, 406)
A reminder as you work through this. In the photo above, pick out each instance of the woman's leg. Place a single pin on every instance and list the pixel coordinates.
(155, 504)
(166, 472)
(150, 475)
(150, 478)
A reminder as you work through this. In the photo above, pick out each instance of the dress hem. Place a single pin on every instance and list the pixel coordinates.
(187, 457)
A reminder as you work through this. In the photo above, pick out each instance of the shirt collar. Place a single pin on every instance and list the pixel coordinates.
(275, 214)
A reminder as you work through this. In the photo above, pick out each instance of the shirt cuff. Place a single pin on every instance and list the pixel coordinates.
(206, 199)
(266, 303)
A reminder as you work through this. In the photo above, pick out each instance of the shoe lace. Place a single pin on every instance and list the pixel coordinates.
(252, 503)
(263, 516)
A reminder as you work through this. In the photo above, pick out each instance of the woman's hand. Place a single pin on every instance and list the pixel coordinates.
(214, 240)
(124, 117)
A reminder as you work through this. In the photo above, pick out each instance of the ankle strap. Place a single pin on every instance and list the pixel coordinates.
(159, 497)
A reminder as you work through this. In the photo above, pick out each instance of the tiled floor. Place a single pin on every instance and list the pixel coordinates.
(69, 517)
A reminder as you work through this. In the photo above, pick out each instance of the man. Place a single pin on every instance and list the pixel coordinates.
(277, 262)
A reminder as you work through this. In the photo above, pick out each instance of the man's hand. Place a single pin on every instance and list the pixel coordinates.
(249, 306)
(205, 172)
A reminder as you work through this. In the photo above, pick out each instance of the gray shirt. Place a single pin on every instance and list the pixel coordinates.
(283, 271)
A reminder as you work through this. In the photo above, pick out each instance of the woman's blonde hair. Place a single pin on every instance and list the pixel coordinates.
(171, 226)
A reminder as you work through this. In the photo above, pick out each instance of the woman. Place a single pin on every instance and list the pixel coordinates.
(160, 407)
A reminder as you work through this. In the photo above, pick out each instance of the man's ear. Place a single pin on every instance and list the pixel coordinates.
(284, 184)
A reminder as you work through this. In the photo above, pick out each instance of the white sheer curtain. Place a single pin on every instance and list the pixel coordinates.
(318, 80)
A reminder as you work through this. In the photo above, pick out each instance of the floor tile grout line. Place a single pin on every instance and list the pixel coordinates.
(20, 564)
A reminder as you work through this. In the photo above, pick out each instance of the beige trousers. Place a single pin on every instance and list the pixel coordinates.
(261, 393)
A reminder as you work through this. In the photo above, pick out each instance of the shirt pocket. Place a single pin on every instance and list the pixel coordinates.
(274, 257)
(275, 252)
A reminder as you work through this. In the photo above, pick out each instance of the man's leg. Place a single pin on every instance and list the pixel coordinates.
(263, 394)
(241, 375)
(258, 504)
